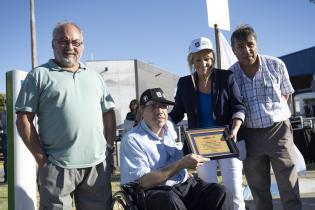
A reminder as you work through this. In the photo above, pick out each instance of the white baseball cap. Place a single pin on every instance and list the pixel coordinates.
(199, 44)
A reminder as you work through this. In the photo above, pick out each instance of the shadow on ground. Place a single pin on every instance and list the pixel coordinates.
(308, 203)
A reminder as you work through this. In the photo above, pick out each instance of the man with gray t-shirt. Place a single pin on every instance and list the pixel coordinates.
(74, 110)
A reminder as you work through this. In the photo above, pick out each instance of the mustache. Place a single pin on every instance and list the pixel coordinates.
(160, 116)
(69, 52)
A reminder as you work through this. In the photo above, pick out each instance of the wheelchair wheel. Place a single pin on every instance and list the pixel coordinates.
(121, 202)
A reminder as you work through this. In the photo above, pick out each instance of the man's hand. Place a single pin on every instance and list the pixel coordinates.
(193, 160)
(110, 157)
(30, 137)
(233, 134)
(41, 160)
(235, 127)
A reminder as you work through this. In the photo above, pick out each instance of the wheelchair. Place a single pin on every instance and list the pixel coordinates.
(130, 197)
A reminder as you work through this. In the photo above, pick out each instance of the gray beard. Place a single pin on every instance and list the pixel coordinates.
(67, 62)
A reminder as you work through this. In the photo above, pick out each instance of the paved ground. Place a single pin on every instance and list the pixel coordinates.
(308, 202)
(307, 191)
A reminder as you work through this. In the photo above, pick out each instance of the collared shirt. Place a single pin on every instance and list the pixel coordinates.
(69, 106)
(263, 94)
(142, 151)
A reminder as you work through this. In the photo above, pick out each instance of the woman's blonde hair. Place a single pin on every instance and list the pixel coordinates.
(192, 70)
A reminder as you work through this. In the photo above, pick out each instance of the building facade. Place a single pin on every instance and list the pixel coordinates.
(301, 68)
(127, 79)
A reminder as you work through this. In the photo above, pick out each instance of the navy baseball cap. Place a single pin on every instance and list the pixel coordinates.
(154, 94)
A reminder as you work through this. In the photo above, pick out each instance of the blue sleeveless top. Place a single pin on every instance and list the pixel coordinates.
(205, 110)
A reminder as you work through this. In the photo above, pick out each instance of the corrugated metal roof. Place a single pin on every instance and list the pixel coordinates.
(300, 62)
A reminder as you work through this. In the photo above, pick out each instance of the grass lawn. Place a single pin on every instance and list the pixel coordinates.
(115, 183)
(4, 192)
(4, 197)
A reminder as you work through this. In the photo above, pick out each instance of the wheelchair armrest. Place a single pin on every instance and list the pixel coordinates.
(137, 194)
(134, 184)
(132, 187)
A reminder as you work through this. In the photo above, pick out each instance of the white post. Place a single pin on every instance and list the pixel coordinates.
(21, 164)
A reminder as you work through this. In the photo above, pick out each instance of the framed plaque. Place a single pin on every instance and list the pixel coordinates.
(211, 143)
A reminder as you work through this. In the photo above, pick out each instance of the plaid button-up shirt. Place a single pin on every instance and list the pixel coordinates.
(263, 94)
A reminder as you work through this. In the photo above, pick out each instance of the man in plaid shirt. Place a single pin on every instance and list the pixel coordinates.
(265, 85)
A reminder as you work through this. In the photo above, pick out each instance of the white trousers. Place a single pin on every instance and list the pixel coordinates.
(231, 171)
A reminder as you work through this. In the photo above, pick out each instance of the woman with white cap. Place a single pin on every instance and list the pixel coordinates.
(210, 97)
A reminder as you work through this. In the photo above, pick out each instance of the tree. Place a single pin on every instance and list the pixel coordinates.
(2, 101)
(312, 1)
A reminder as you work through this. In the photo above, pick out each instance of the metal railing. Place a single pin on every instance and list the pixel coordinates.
(300, 122)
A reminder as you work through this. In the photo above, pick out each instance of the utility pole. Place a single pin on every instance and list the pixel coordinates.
(217, 44)
(33, 35)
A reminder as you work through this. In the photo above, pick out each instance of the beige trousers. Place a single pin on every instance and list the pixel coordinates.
(272, 145)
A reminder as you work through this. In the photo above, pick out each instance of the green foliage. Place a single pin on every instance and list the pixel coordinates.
(2, 101)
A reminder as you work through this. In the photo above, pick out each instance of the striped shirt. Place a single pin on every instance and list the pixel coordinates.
(262, 95)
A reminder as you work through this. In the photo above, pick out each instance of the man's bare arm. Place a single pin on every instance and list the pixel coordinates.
(155, 178)
(109, 121)
(235, 127)
(29, 135)
(286, 97)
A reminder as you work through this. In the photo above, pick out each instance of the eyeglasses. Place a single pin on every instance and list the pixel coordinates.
(157, 106)
(65, 42)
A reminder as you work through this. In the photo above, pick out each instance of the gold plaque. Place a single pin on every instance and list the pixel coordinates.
(211, 143)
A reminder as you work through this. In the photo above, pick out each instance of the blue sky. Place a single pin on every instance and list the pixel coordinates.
(157, 32)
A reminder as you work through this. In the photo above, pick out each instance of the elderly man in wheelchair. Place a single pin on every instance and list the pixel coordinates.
(153, 168)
